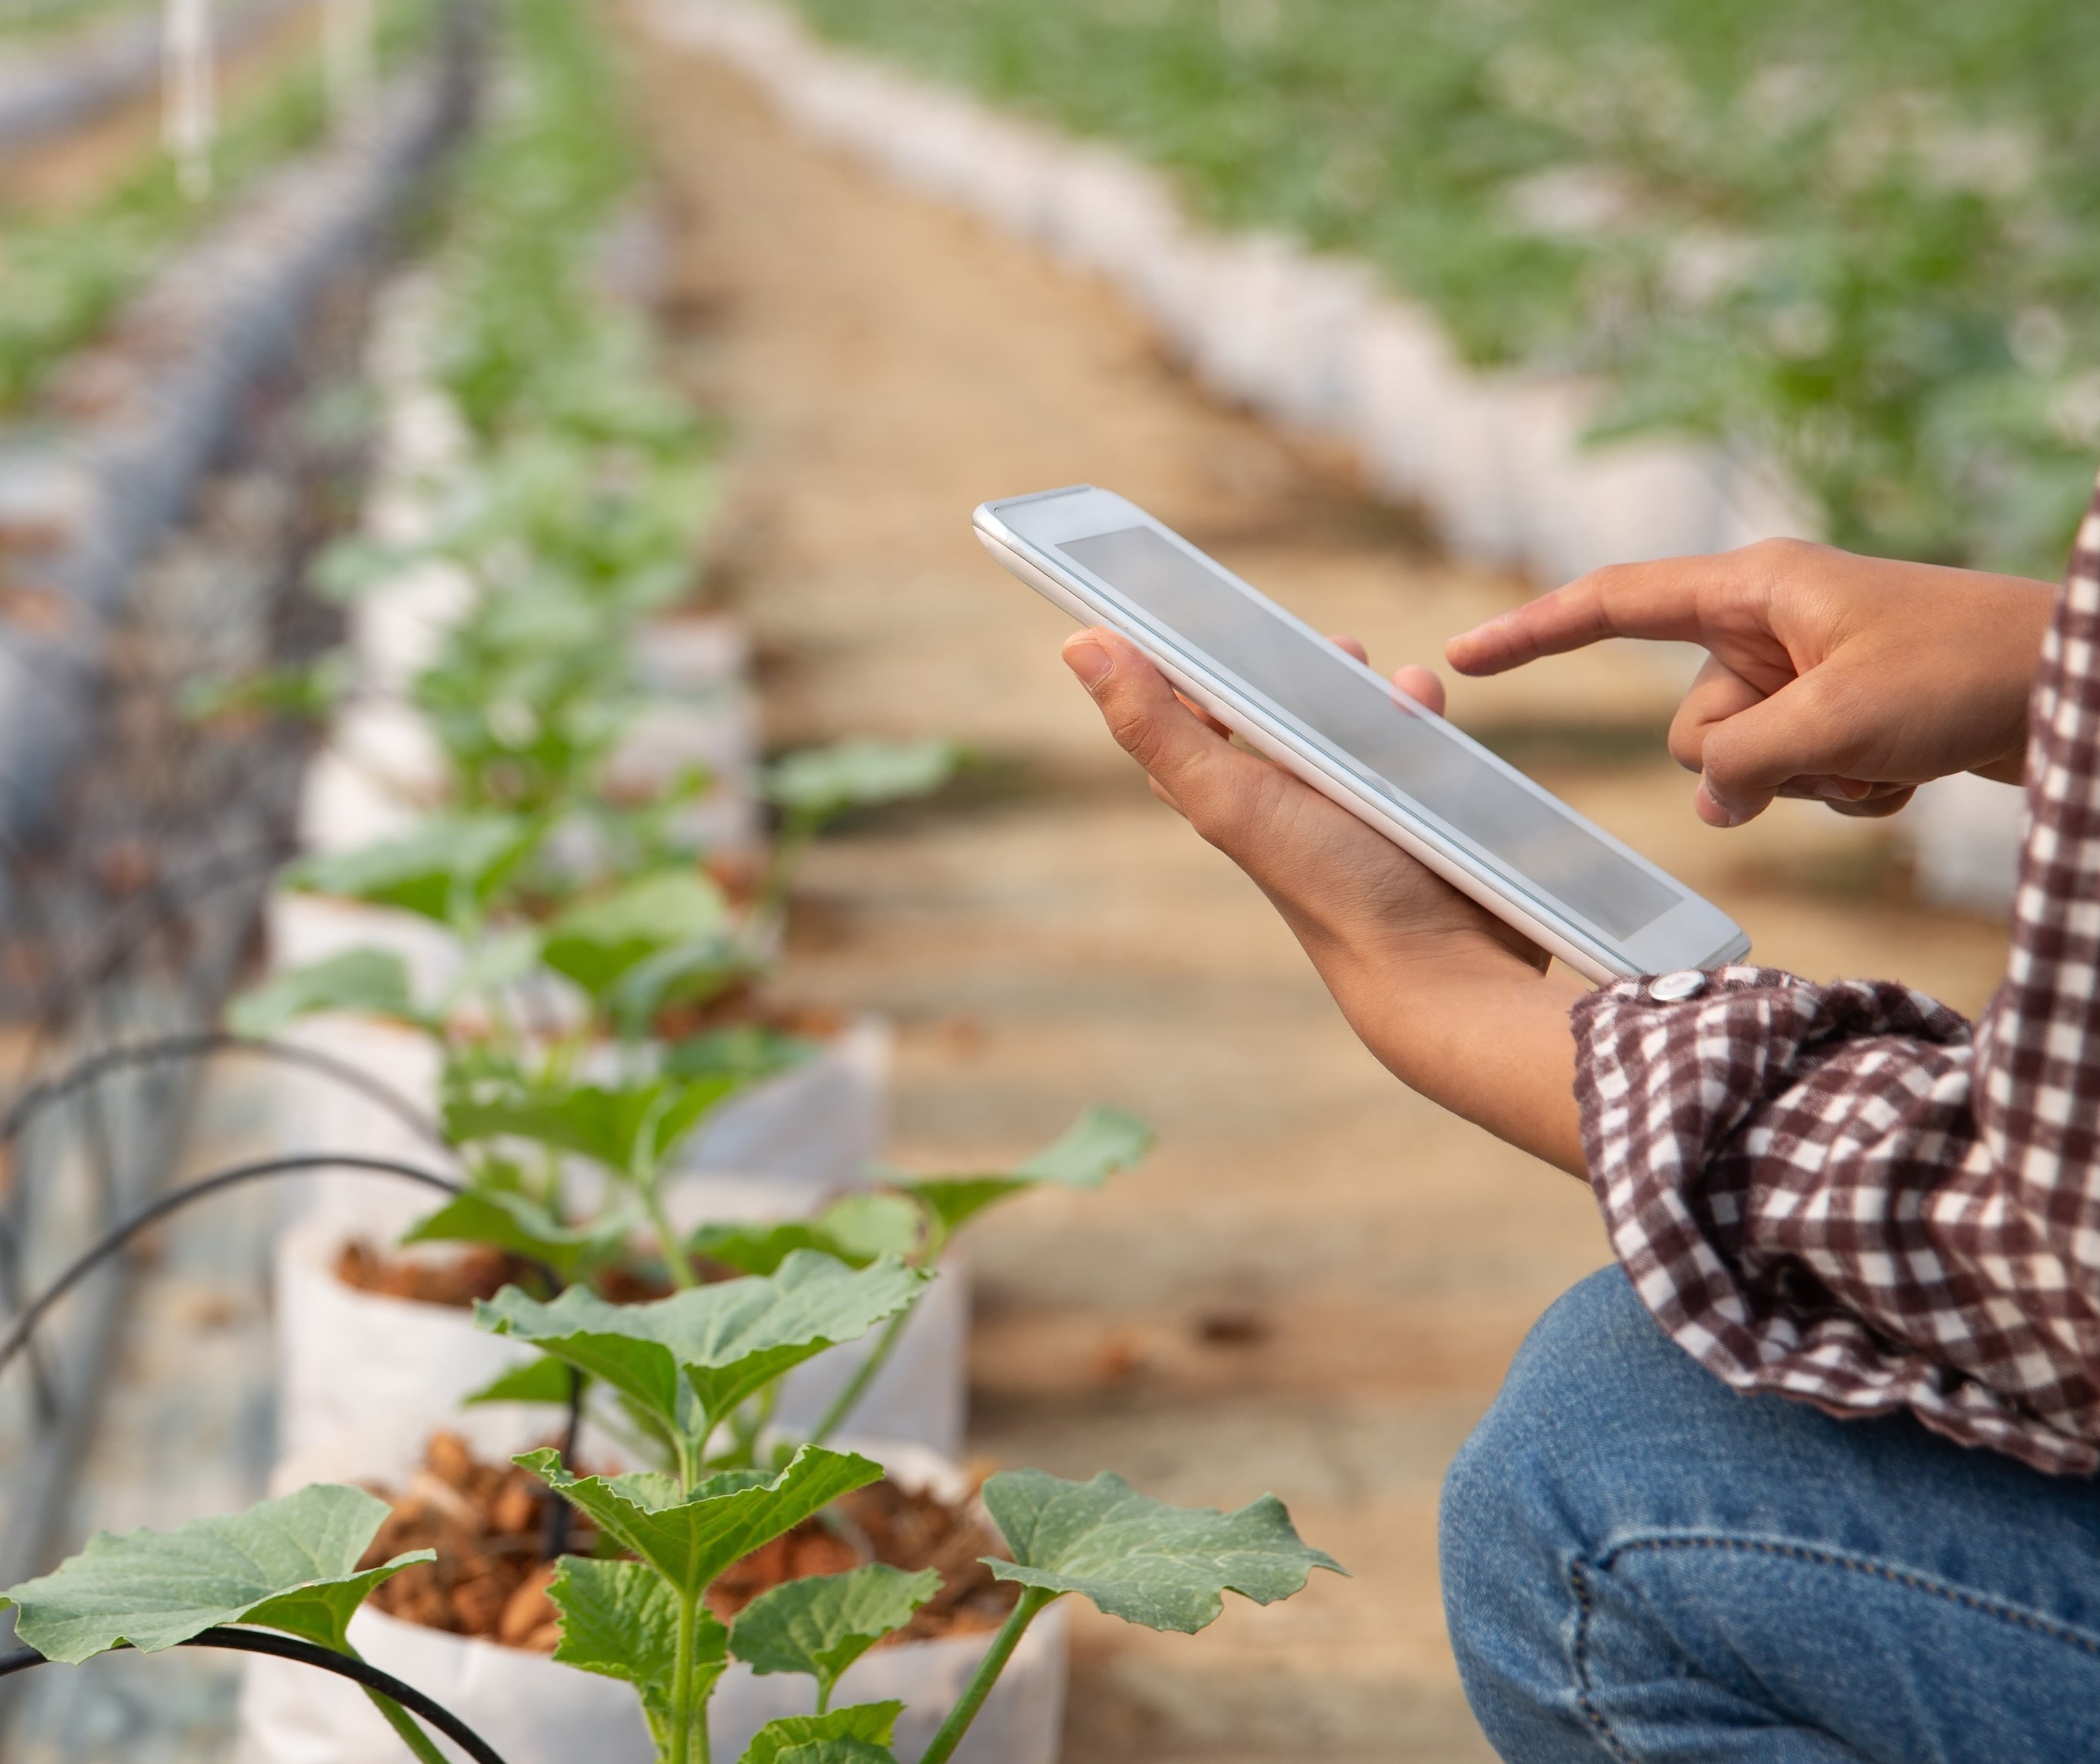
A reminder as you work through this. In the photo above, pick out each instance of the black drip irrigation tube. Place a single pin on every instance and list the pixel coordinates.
(21, 1332)
(312, 1654)
(24, 1326)
(199, 1044)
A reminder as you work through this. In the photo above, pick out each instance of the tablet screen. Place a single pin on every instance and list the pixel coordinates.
(1311, 684)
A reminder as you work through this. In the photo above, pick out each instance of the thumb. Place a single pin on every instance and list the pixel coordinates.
(1807, 728)
(1189, 762)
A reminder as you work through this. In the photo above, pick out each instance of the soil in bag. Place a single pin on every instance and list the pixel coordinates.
(486, 1521)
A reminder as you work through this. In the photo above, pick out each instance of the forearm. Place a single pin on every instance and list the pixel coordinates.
(1474, 1027)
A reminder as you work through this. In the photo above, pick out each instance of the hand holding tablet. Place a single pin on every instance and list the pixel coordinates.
(1466, 815)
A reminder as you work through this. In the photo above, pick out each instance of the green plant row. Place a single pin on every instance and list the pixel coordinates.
(1856, 238)
(589, 934)
(64, 275)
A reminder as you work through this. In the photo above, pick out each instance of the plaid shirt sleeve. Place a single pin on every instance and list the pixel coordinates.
(1848, 1194)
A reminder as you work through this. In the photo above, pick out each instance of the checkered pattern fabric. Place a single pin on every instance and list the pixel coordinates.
(1848, 1194)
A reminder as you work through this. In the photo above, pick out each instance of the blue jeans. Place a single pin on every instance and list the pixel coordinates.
(1640, 1564)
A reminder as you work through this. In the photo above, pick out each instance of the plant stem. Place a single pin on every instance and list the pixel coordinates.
(1033, 1599)
(410, 1729)
(849, 1399)
(681, 1686)
(675, 1264)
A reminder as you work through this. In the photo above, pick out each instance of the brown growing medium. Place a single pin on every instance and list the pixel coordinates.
(476, 1270)
(485, 1521)
(742, 1006)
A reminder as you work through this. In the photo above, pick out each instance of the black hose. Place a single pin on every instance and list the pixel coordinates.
(313, 1654)
(196, 1046)
(26, 1320)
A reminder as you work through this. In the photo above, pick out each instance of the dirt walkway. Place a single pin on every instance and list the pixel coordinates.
(1316, 1285)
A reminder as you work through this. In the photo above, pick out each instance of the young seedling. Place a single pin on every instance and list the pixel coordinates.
(681, 1367)
(646, 1621)
(289, 1565)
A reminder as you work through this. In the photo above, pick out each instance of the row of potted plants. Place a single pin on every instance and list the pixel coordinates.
(662, 1401)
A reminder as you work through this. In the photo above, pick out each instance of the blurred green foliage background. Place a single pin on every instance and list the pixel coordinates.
(1858, 237)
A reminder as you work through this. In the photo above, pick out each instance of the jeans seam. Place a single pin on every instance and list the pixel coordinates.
(1590, 1713)
(1792, 1552)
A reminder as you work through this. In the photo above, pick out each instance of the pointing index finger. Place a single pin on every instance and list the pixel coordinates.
(1648, 600)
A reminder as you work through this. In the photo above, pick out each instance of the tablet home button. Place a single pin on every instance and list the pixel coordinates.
(1686, 983)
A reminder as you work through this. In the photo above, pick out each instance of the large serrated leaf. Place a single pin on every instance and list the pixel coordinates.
(817, 783)
(730, 1341)
(448, 867)
(620, 1620)
(822, 1625)
(860, 1735)
(596, 943)
(1101, 1142)
(1165, 1567)
(505, 1219)
(372, 981)
(690, 1540)
(288, 1564)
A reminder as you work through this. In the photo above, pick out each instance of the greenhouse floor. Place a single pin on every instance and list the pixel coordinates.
(1316, 1284)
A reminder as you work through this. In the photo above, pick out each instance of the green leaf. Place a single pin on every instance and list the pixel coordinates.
(690, 1540)
(631, 1130)
(505, 1219)
(864, 1730)
(819, 782)
(835, 1751)
(373, 981)
(1165, 1567)
(597, 943)
(728, 1341)
(537, 1380)
(821, 1625)
(620, 1620)
(870, 1225)
(749, 1051)
(445, 869)
(495, 962)
(288, 1564)
(1101, 1142)
(860, 1229)
(684, 973)
(761, 1249)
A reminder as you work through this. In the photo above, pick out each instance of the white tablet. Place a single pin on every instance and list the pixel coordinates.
(1473, 818)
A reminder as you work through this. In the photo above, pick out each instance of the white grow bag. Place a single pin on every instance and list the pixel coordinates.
(534, 1711)
(345, 1355)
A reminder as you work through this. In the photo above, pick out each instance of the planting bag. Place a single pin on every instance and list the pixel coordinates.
(534, 1711)
(346, 1355)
